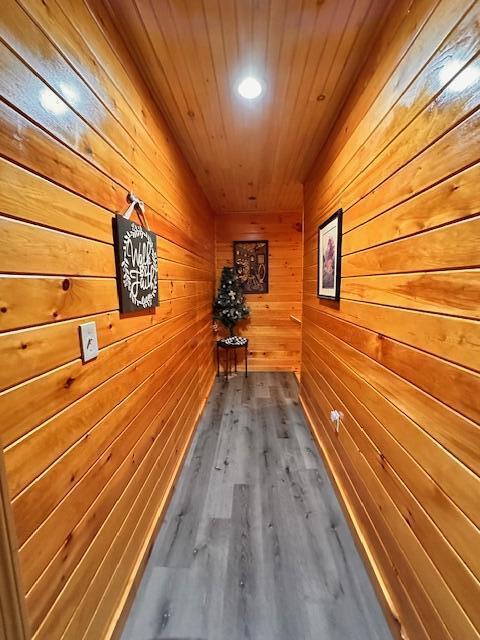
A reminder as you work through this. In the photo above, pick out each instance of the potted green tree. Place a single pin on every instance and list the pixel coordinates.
(229, 306)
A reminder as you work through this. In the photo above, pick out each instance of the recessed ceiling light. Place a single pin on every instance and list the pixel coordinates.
(250, 88)
(69, 93)
(463, 80)
(51, 102)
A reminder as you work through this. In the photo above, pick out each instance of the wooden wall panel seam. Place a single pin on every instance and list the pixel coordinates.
(448, 127)
(419, 597)
(117, 620)
(104, 306)
(161, 509)
(42, 630)
(464, 581)
(403, 214)
(360, 526)
(405, 306)
(54, 345)
(462, 447)
(50, 577)
(70, 422)
(79, 183)
(430, 18)
(68, 99)
(34, 503)
(429, 602)
(461, 485)
(451, 339)
(66, 180)
(389, 353)
(147, 331)
(441, 204)
(404, 360)
(17, 426)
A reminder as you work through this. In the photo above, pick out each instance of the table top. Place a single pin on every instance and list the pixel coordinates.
(232, 342)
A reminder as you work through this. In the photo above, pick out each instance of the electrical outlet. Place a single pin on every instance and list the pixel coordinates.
(335, 418)
(88, 341)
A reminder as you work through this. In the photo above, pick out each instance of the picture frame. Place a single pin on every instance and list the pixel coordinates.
(250, 261)
(329, 264)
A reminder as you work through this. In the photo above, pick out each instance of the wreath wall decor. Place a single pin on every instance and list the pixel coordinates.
(137, 266)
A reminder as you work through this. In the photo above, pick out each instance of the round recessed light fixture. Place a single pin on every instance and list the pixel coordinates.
(449, 73)
(250, 88)
(51, 102)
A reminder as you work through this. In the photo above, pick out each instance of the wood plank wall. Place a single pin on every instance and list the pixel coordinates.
(274, 337)
(399, 355)
(91, 451)
(13, 617)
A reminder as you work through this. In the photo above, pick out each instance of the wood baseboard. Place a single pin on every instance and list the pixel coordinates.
(119, 618)
(371, 565)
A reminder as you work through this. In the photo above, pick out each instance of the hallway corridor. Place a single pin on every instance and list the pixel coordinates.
(254, 545)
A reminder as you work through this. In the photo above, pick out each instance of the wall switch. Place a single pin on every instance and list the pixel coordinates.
(88, 341)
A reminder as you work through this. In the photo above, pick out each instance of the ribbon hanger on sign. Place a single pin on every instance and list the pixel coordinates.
(139, 205)
(136, 259)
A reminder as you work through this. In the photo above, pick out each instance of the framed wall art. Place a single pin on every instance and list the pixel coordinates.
(250, 260)
(330, 257)
(137, 267)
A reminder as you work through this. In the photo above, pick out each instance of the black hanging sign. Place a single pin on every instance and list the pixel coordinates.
(137, 266)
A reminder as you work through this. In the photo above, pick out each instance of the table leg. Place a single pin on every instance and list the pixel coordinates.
(218, 361)
(227, 363)
(246, 361)
(235, 355)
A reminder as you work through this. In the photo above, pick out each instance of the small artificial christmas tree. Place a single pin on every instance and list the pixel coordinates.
(229, 306)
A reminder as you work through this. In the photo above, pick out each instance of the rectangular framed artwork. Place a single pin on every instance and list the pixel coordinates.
(250, 260)
(330, 257)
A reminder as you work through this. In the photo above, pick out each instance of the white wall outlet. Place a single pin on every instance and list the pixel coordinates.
(88, 341)
(335, 418)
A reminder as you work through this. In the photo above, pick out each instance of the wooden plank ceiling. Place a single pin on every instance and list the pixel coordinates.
(250, 155)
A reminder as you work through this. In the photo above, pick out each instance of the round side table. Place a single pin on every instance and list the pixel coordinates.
(231, 344)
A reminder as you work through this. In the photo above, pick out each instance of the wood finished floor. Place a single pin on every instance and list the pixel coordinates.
(254, 545)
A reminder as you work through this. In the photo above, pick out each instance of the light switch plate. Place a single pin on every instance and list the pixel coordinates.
(88, 340)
